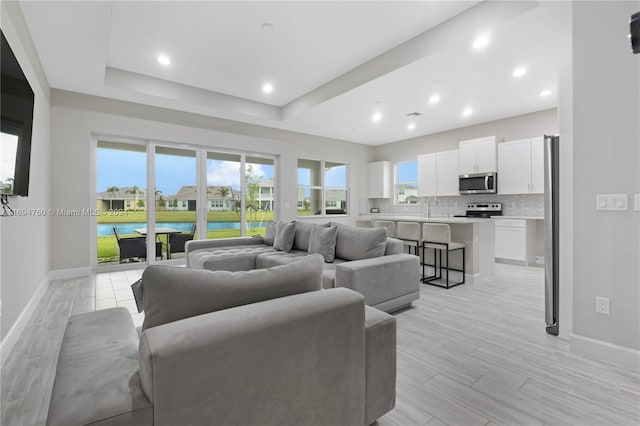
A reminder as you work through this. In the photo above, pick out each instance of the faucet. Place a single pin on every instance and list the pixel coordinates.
(429, 206)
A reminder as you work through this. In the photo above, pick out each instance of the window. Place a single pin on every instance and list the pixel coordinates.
(406, 183)
(320, 181)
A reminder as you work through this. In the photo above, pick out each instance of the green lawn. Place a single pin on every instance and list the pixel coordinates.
(108, 246)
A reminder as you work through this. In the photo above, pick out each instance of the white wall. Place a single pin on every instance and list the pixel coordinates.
(606, 139)
(512, 128)
(24, 265)
(76, 117)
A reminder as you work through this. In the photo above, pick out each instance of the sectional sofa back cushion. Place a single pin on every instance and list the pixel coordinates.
(303, 234)
(323, 241)
(360, 243)
(284, 237)
(173, 293)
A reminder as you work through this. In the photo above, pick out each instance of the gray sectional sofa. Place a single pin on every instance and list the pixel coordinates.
(365, 261)
(260, 347)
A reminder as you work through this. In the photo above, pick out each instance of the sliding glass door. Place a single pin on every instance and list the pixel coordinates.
(195, 192)
(175, 199)
(121, 180)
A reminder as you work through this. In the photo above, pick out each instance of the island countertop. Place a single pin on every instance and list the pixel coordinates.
(420, 218)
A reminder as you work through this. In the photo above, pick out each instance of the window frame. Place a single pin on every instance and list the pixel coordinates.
(323, 188)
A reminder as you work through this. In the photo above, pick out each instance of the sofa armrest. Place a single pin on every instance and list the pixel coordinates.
(194, 245)
(382, 278)
(293, 360)
(380, 365)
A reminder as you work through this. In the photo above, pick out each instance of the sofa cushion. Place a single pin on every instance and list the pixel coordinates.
(323, 241)
(284, 237)
(230, 258)
(278, 258)
(97, 375)
(360, 243)
(270, 232)
(173, 293)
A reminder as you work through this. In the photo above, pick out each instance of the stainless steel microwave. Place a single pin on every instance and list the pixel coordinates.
(478, 183)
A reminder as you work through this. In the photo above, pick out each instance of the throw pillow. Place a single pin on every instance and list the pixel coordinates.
(270, 233)
(323, 241)
(360, 243)
(172, 293)
(284, 237)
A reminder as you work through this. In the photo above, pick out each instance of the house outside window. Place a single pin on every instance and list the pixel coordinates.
(406, 183)
(322, 188)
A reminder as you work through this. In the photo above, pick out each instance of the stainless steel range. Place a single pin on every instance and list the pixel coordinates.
(483, 210)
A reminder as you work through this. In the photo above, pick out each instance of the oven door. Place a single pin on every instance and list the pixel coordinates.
(481, 183)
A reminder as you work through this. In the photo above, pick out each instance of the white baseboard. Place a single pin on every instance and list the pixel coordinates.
(61, 274)
(13, 335)
(605, 351)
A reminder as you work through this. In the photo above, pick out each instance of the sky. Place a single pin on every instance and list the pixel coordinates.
(127, 168)
(408, 171)
(334, 177)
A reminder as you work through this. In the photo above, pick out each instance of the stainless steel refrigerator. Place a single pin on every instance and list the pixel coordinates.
(551, 232)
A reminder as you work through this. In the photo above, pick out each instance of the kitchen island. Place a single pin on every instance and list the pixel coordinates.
(478, 234)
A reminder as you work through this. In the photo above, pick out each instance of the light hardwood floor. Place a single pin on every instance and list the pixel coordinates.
(471, 355)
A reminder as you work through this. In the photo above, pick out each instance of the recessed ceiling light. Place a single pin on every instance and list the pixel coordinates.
(411, 126)
(434, 99)
(164, 60)
(481, 41)
(376, 117)
(267, 88)
(467, 112)
(545, 93)
(519, 72)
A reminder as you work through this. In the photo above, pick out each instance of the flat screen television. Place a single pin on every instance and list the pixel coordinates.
(16, 111)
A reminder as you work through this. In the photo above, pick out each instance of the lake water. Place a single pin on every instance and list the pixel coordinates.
(106, 229)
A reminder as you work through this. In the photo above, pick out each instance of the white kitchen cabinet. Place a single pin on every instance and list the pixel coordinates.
(427, 175)
(380, 179)
(537, 165)
(447, 173)
(521, 167)
(478, 156)
(438, 174)
(515, 240)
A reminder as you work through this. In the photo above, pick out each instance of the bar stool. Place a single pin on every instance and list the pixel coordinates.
(409, 233)
(437, 236)
(390, 226)
(364, 223)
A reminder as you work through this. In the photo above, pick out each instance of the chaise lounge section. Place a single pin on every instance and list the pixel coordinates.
(364, 260)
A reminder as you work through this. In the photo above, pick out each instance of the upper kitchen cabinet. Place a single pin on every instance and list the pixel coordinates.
(447, 173)
(380, 179)
(438, 174)
(478, 156)
(521, 167)
(427, 175)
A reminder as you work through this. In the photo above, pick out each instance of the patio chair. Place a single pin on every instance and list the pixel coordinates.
(135, 247)
(177, 241)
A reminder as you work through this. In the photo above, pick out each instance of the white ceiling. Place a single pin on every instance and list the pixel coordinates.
(316, 57)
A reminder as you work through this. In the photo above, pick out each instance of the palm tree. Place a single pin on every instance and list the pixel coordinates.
(112, 190)
(223, 191)
(160, 202)
(135, 190)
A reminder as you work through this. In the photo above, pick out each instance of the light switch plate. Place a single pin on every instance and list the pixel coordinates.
(618, 202)
(637, 202)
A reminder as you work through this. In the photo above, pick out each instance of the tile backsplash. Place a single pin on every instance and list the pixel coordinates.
(512, 205)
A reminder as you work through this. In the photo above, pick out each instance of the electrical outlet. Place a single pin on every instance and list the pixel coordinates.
(602, 305)
(637, 202)
(540, 260)
(513, 204)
